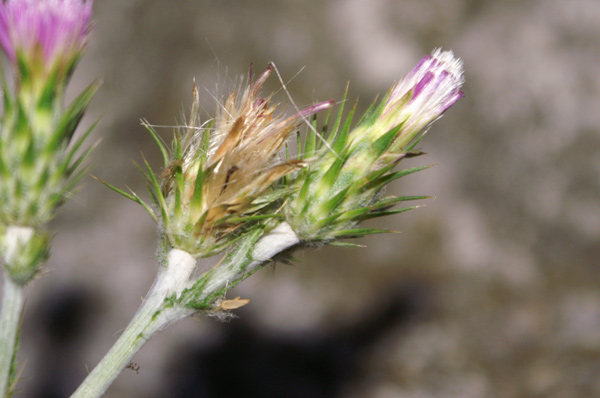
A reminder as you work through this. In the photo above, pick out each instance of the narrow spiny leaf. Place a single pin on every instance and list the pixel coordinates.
(385, 213)
(386, 179)
(161, 146)
(341, 138)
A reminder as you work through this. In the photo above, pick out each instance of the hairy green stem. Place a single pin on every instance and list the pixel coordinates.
(154, 314)
(12, 306)
(161, 308)
(280, 238)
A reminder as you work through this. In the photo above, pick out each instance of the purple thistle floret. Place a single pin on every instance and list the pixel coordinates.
(426, 92)
(57, 28)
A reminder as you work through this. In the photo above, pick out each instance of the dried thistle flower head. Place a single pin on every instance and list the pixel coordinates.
(219, 174)
(247, 135)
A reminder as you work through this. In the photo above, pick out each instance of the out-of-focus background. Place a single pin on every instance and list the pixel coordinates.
(491, 290)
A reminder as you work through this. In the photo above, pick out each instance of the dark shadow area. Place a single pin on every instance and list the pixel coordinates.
(60, 324)
(247, 362)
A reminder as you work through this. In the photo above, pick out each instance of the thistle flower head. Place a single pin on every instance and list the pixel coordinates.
(46, 34)
(341, 188)
(40, 161)
(219, 174)
(419, 99)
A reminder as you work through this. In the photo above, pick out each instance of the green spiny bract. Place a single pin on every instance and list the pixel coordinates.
(40, 164)
(39, 159)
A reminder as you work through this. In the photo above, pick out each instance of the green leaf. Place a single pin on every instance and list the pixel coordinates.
(386, 179)
(286, 179)
(377, 214)
(273, 195)
(341, 138)
(7, 99)
(303, 194)
(383, 143)
(205, 143)
(75, 164)
(152, 193)
(131, 196)
(325, 128)
(310, 143)
(344, 244)
(200, 221)
(374, 175)
(162, 204)
(389, 201)
(416, 140)
(4, 171)
(67, 190)
(300, 155)
(159, 142)
(72, 116)
(332, 203)
(22, 128)
(351, 215)
(330, 176)
(369, 116)
(179, 191)
(336, 125)
(358, 232)
(245, 219)
(23, 69)
(67, 166)
(29, 158)
(196, 201)
(48, 100)
(373, 113)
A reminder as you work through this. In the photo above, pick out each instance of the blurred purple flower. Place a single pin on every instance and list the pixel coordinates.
(53, 29)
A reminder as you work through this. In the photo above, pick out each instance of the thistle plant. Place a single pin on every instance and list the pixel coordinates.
(224, 191)
(217, 191)
(228, 198)
(40, 159)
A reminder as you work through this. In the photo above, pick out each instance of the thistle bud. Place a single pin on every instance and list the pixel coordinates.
(342, 186)
(418, 100)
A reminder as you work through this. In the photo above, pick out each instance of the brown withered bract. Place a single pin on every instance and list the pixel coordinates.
(245, 139)
(233, 304)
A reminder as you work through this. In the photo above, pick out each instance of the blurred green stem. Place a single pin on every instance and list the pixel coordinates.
(10, 315)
